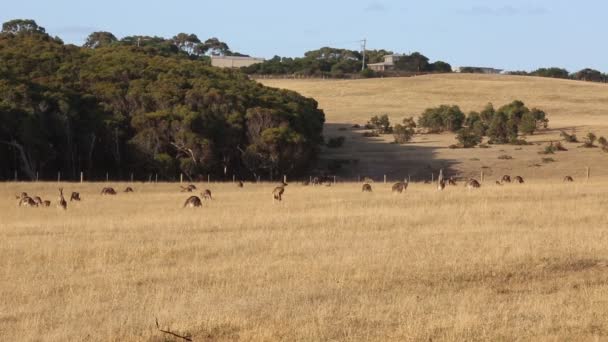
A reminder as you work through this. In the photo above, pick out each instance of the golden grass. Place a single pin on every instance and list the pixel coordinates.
(519, 262)
(571, 105)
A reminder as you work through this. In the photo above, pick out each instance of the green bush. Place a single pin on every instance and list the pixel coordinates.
(442, 118)
(335, 142)
(381, 124)
(468, 138)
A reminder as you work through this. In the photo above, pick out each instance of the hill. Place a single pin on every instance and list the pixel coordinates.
(571, 105)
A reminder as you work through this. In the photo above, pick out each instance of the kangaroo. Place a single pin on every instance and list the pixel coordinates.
(46, 203)
(108, 191)
(62, 203)
(207, 194)
(27, 201)
(518, 179)
(239, 184)
(23, 194)
(38, 200)
(499, 183)
(506, 179)
(400, 187)
(188, 188)
(193, 202)
(473, 184)
(568, 179)
(75, 196)
(451, 181)
(366, 188)
(277, 193)
(129, 189)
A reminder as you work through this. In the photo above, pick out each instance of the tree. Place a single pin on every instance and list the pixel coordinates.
(498, 131)
(590, 139)
(186, 42)
(213, 47)
(22, 26)
(589, 75)
(381, 124)
(416, 62)
(551, 72)
(440, 66)
(100, 39)
(442, 118)
(403, 133)
(468, 138)
(527, 124)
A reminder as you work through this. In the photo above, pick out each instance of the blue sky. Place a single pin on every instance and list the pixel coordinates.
(512, 35)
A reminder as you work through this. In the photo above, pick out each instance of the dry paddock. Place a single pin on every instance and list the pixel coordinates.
(518, 262)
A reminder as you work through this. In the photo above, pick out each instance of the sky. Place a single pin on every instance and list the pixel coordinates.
(510, 35)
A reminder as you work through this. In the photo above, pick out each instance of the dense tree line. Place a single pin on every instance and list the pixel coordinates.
(334, 62)
(143, 105)
(586, 74)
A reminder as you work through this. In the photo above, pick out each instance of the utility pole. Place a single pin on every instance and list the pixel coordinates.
(363, 44)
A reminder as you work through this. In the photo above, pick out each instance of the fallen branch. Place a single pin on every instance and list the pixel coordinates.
(186, 338)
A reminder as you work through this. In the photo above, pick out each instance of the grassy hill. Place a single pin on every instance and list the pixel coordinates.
(572, 105)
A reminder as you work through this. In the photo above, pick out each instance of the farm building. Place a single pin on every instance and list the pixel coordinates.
(388, 64)
(234, 61)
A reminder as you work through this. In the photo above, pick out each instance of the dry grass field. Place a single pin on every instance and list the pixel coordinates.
(572, 105)
(517, 262)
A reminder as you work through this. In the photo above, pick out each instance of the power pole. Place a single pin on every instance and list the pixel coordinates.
(363, 43)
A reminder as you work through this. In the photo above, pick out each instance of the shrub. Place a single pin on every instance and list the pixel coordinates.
(442, 118)
(505, 157)
(467, 138)
(356, 126)
(371, 134)
(548, 160)
(335, 142)
(402, 134)
(569, 137)
(380, 124)
(367, 73)
(548, 150)
(589, 140)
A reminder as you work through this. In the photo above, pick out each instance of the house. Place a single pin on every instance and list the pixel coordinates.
(234, 62)
(477, 70)
(388, 64)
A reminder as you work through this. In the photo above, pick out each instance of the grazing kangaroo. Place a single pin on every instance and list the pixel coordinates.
(23, 194)
(75, 196)
(277, 193)
(129, 189)
(46, 203)
(568, 179)
(188, 188)
(38, 200)
(499, 183)
(451, 181)
(193, 202)
(108, 191)
(239, 184)
(207, 194)
(366, 188)
(506, 179)
(399, 187)
(62, 203)
(518, 179)
(27, 201)
(473, 184)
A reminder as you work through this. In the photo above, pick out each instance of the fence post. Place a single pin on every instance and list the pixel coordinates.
(107, 176)
(285, 179)
(181, 178)
(233, 178)
(481, 176)
(432, 177)
(131, 177)
(334, 179)
(58, 176)
(409, 178)
(156, 178)
(208, 178)
(588, 172)
(36, 176)
(384, 179)
(150, 178)
(15, 175)
(81, 176)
